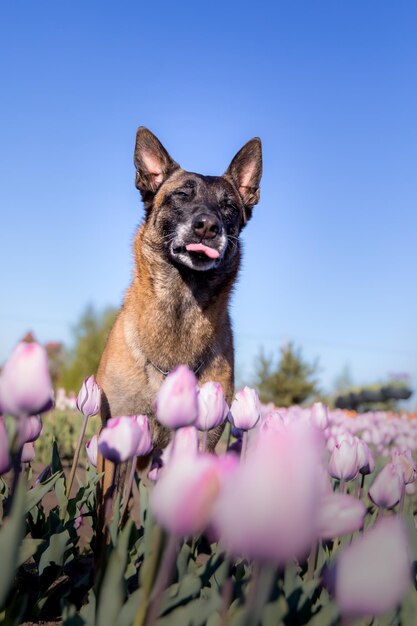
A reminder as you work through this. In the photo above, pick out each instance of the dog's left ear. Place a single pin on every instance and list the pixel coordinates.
(246, 171)
(153, 164)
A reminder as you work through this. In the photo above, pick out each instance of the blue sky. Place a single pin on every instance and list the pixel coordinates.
(330, 87)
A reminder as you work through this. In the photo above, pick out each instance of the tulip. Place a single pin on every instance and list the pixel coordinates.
(366, 462)
(28, 452)
(374, 572)
(245, 411)
(91, 450)
(89, 397)
(182, 500)
(404, 459)
(319, 415)
(145, 442)
(119, 440)
(184, 443)
(268, 507)
(176, 403)
(343, 463)
(25, 383)
(388, 487)
(211, 406)
(30, 429)
(339, 514)
(5, 459)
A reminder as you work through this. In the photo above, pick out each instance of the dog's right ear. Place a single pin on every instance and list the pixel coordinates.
(153, 164)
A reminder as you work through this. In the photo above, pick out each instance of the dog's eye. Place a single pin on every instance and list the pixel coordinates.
(180, 194)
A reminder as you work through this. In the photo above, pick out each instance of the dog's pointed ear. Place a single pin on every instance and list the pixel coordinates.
(153, 163)
(246, 171)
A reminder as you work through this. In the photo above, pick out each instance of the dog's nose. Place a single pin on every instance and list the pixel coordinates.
(206, 226)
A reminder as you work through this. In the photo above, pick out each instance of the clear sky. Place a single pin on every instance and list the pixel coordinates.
(330, 87)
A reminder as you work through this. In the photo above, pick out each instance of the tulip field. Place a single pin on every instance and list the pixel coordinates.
(304, 515)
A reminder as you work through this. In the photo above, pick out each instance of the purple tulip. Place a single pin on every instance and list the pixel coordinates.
(339, 514)
(119, 440)
(28, 452)
(89, 397)
(91, 450)
(176, 403)
(388, 487)
(343, 463)
(30, 429)
(211, 406)
(374, 572)
(5, 459)
(366, 462)
(245, 411)
(25, 383)
(268, 507)
(145, 441)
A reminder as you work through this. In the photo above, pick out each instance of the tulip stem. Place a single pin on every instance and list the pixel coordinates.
(76, 455)
(261, 585)
(17, 464)
(312, 561)
(127, 492)
(204, 441)
(161, 582)
(245, 441)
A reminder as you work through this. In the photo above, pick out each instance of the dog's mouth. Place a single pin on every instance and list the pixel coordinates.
(197, 256)
(202, 249)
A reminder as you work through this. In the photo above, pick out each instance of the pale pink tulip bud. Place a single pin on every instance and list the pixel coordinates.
(405, 460)
(91, 450)
(145, 442)
(184, 443)
(119, 440)
(319, 415)
(89, 397)
(245, 411)
(339, 514)
(388, 487)
(182, 500)
(28, 452)
(366, 462)
(25, 384)
(343, 463)
(410, 489)
(30, 429)
(176, 403)
(5, 459)
(374, 572)
(211, 406)
(272, 421)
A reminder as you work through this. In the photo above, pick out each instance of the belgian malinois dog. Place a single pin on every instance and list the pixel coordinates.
(186, 259)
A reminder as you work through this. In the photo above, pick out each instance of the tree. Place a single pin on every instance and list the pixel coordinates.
(291, 381)
(90, 336)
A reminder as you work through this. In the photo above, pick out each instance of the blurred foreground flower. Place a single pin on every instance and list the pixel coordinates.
(25, 383)
(145, 440)
(5, 459)
(268, 508)
(245, 411)
(89, 397)
(119, 440)
(339, 514)
(30, 429)
(176, 403)
(91, 450)
(374, 572)
(319, 415)
(28, 452)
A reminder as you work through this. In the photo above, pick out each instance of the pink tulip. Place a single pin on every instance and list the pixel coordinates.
(145, 442)
(176, 403)
(119, 440)
(25, 384)
(28, 452)
(211, 406)
(30, 429)
(339, 514)
(343, 463)
(366, 462)
(374, 572)
(388, 487)
(245, 411)
(184, 443)
(319, 415)
(5, 459)
(182, 500)
(268, 507)
(405, 460)
(91, 449)
(89, 397)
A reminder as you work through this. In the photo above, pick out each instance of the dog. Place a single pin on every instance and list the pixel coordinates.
(186, 260)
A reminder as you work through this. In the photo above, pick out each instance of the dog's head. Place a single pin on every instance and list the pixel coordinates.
(196, 220)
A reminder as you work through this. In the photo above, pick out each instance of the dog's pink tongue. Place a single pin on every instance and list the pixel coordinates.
(200, 247)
